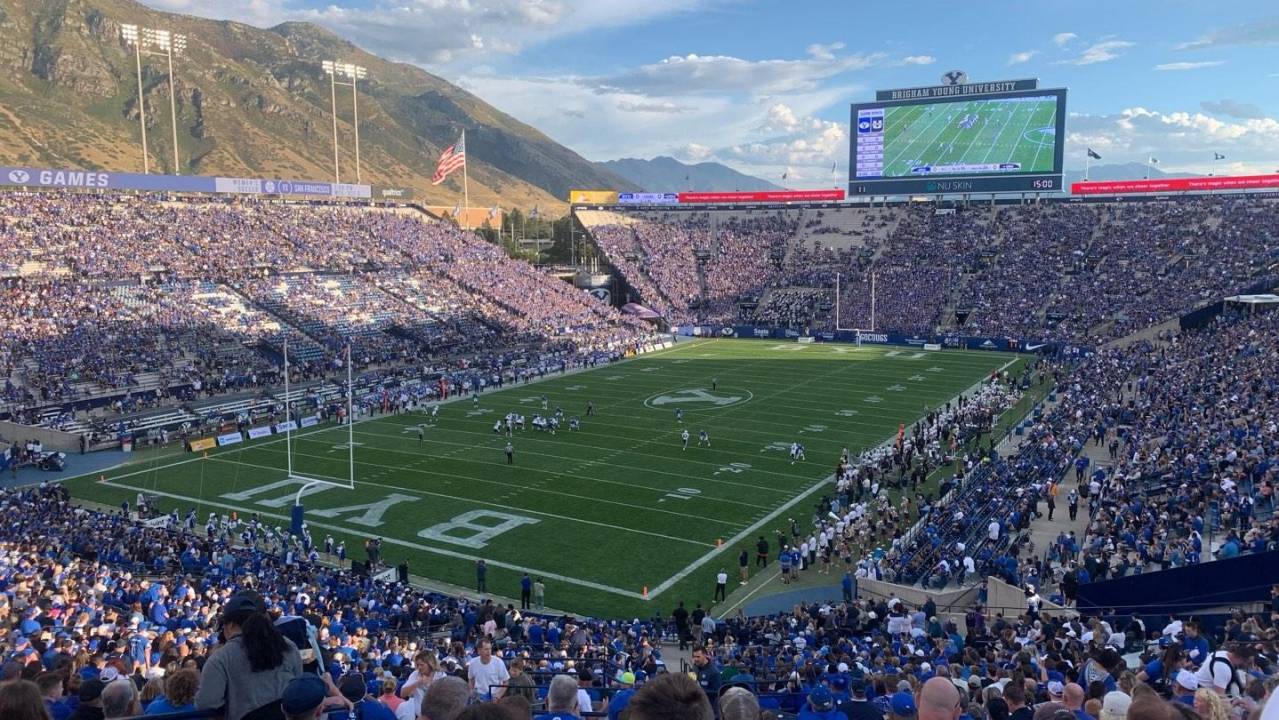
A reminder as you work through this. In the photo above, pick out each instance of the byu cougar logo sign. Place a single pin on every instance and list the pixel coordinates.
(697, 399)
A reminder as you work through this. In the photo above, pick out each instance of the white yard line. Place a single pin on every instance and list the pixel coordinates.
(326, 427)
(508, 486)
(412, 545)
(691, 567)
(416, 491)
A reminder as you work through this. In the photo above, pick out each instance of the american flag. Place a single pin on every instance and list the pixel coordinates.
(453, 157)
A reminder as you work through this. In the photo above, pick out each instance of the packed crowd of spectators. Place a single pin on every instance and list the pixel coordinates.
(108, 293)
(1194, 450)
(1187, 425)
(103, 616)
(1078, 273)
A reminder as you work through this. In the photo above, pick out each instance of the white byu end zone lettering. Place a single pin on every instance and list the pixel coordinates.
(480, 534)
(284, 500)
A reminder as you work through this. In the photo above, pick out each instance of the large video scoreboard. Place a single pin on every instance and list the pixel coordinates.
(970, 138)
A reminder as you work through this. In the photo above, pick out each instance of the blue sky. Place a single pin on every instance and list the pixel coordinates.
(765, 86)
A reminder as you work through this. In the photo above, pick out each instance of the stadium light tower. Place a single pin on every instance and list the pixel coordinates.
(353, 74)
(156, 42)
(130, 35)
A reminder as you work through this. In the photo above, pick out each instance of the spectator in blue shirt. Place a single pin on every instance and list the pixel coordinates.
(179, 694)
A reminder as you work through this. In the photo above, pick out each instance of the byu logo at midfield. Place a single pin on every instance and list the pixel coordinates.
(697, 399)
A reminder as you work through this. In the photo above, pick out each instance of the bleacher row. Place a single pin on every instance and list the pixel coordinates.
(1076, 273)
(127, 299)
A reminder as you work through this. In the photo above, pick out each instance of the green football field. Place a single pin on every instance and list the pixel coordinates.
(1019, 131)
(599, 513)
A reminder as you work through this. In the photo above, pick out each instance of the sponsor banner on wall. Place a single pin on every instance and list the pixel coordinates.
(647, 198)
(592, 197)
(259, 432)
(286, 426)
(769, 196)
(102, 180)
(381, 192)
(602, 294)
(204, 444)
(1167, 185)
(310, 420)
(964, 342)
(230, 439)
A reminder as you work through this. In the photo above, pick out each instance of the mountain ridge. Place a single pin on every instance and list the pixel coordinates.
(255, 102)
(666, 174)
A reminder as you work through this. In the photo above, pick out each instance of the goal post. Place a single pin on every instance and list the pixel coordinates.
(307, 481)
(839, 289)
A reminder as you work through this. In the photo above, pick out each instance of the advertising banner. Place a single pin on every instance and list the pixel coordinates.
(205, 444)
(592, 197)
(286, 426)
(648, 198)
(1165, 185)
(252, 186)
(310, 421)
(762, 196)
(382, 192)
(230, 439)
(102, 180)
(259, 432)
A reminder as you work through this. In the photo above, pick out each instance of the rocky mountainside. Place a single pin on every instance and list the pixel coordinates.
(255, 102)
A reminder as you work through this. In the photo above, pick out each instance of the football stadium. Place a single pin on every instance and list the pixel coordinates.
(332, 391)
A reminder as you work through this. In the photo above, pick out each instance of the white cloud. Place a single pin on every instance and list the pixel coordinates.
(825, 52)
(699, 74)
(1022, 57)
(439, 32)
(1183, 141)
(650, 107)
(1263, 32)
(695, 153)
(1232, 108)
(756, 135)
(919, 60)
(1062, 38)
(1189, 65)
(1099, 52)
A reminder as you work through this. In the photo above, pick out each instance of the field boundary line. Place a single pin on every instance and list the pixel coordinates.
(693, 566)
(412, 545)
(693, 342)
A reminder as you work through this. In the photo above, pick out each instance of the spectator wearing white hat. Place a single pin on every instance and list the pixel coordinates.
(1184, 686)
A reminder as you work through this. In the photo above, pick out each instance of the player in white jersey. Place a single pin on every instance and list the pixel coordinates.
(796, 452)
(684, 436)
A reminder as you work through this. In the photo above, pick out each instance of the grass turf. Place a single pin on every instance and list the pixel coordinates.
(1005, 131)
(602, 512)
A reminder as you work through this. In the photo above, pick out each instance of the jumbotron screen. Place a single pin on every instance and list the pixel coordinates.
(1010, 142)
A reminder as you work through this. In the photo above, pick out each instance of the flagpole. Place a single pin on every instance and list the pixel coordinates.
(1087, 164)
(466, 191)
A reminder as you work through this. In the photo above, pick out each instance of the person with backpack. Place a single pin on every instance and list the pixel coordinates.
(1225, 671)
(246, 676)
